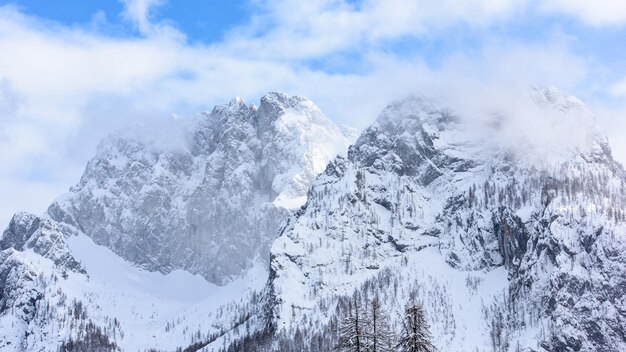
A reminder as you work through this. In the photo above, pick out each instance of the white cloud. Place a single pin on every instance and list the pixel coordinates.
(618, 89)
(613, 117)
(9, 99)
(595, 13)
(138, 12)
(62, 88)
(292, 29)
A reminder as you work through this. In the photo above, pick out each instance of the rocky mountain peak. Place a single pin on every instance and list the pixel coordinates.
(412, 137)
(553, 97)
(236, 108)
(242, 171)
(423, 136)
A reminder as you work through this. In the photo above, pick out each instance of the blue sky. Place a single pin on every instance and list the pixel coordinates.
(208, 22)
(73, 71)
(204, 21)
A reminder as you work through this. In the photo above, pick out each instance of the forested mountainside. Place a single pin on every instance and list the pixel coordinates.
(508, 247)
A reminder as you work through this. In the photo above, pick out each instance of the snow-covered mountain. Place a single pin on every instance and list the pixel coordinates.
(162, 226)
(508, 225)
(510, 246)
(225, 191)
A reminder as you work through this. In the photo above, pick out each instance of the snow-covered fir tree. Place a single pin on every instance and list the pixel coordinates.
(352, 330)
(379, 336)
(415, 336)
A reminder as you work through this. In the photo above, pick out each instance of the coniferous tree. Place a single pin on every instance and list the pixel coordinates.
(352, 330)
(415, 335)
(379, 336)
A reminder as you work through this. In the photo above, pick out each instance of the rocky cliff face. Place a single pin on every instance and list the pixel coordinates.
(507, 247)
(210, 206)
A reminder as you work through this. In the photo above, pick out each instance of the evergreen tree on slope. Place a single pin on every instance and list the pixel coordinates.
(379, 337)
(415, 335)
(352, 330)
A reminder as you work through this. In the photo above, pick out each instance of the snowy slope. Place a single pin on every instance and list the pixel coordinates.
(137, 309)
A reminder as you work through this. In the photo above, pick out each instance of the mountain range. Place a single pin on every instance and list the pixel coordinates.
(259, 228)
